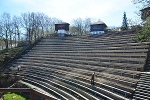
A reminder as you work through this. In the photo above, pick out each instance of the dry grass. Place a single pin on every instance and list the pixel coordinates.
(2, 42)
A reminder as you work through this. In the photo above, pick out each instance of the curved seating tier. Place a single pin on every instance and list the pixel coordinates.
(62, 66)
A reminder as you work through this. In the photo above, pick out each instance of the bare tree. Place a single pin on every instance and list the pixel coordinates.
(87, 23)
(32, 25)
(53, 22)
(36, 24)
(16, 21)
(42, 23)
(27, 25)
(5, 25)
(11, 31)
(82, 26)
(48, 24)
(79, 24)
(73, 30)
(1, 37)
(143, 3)
(134, 23)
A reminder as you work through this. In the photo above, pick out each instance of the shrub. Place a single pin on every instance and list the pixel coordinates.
(13, 96)
(22, 43)
(144, 33)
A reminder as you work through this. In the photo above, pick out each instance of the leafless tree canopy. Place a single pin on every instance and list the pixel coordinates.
(144, 3)
(82, 26)
(29, 26)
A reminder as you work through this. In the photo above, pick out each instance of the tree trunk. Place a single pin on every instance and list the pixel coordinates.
(6, 40)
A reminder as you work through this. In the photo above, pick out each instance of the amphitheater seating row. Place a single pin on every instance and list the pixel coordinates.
(106, 63)
(68, 79)
(63, 66)
(127, 73)
(62, 75)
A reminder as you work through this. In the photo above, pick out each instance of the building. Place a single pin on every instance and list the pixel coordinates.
(62, 28)
(145, 13)
(98, 28)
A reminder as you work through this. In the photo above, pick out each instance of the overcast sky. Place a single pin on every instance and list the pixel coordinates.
(109, 11)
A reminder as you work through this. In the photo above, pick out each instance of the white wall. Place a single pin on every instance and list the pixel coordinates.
(97, 32)
(61, 32)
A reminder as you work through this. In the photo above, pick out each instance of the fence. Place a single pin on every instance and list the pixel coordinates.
(32, 92)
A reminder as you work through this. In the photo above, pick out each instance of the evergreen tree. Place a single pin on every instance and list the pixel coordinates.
(124, 23)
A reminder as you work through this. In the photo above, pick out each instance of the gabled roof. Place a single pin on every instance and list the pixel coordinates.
(145, 8)
(99, 23)
(63, 23)
(145, 13)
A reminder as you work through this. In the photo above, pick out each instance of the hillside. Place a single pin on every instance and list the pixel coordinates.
(62, 66)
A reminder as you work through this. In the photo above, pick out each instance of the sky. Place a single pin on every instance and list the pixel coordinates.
(108, 11)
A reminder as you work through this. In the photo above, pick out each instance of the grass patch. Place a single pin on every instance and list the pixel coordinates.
(13, 96)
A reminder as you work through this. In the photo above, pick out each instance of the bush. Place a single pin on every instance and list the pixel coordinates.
(13, 96)
(144, 33)
(22, 43)
(6, 59)
(7, 54)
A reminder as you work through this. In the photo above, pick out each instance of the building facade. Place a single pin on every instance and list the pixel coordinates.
(98, 28)
(145, 13)
(62, 28)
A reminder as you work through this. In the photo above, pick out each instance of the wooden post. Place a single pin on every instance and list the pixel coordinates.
(31, 91)
(31, 94)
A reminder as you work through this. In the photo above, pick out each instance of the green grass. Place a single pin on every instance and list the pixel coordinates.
(13, 96)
